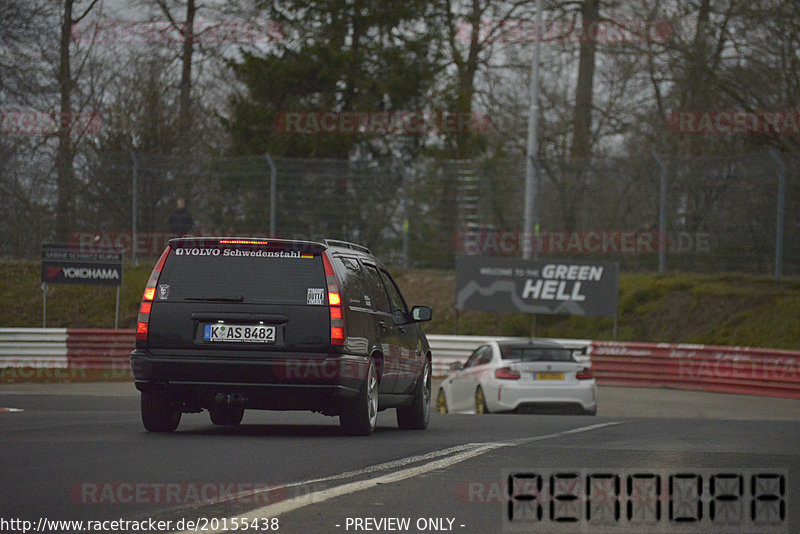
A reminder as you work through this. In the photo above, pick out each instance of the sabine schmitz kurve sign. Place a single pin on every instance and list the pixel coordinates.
(545, 287)
(71, 265)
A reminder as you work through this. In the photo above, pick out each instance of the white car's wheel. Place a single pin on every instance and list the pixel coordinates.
(441, 402)
(480, 402)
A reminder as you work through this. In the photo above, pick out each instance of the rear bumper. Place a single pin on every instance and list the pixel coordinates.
(315, 382)
(578, 396)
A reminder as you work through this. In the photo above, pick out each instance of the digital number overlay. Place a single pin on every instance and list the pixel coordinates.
(646, 500)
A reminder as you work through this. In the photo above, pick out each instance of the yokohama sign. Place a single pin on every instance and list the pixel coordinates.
(68, 265)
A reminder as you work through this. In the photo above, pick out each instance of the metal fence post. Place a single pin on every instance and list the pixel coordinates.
(779, 214)
(662, 215)
(135, 188)
(45, 289)
(405, 219)
(273, 193)
(531, 214)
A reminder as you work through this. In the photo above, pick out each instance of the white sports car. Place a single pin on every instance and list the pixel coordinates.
(535, 377)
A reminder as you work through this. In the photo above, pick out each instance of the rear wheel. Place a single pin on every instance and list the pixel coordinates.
(228, 415)
(480, 402)
(159, 412)
(359, 417)
(441, 402)
(416, 416)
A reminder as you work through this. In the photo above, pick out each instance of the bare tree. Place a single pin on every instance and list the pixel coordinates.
(186, 28)
(65, 155)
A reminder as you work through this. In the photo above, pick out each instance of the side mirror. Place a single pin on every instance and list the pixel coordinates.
(456, 366)
(421, 313)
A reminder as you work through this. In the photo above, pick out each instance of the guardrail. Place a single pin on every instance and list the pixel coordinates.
(100, 349)
(33, 347)
(741, 370)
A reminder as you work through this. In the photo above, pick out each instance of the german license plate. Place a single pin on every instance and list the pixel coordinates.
(548, 376)
(239, 333)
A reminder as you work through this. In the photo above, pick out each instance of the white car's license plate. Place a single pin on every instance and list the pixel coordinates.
(239, 333)
(548, 376)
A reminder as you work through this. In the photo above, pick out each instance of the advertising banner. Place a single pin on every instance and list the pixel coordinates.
(539, 287)
(69, 265)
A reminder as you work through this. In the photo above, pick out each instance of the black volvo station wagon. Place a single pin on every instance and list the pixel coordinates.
(229, 324)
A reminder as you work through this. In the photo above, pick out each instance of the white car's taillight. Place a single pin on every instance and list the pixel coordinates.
(506, 373)
(585, 374)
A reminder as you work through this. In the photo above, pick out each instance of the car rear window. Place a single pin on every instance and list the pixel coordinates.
(535, 354)
(249, 274)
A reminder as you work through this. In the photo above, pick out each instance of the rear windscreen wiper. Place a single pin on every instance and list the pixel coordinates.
(240, 298)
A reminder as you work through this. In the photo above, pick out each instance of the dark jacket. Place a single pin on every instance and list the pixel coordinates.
(180, 222)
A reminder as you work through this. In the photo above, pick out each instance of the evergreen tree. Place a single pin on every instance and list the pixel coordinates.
(335, 56)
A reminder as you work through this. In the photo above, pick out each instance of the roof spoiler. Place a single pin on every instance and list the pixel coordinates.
(285, 244)
(347, 244)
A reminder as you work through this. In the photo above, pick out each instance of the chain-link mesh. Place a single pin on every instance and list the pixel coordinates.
(721, 213)
(28, 204)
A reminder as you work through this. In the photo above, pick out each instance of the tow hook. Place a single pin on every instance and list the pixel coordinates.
(229, 398)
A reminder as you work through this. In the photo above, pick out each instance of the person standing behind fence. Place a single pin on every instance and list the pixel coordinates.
(180, 222)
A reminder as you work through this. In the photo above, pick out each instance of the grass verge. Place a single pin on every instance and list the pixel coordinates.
(722, 309)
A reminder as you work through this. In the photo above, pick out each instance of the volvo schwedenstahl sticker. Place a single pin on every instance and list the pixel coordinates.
(236, 253)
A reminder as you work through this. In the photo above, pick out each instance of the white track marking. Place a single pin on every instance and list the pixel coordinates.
(453, 455)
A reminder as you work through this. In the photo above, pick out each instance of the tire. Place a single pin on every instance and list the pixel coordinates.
(593, 411)
(226, 416)
(416, 416)
(159, 413)
(360, 416)
(480, 402)
(441, 402)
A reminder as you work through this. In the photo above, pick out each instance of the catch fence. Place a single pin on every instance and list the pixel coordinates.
(647, 213)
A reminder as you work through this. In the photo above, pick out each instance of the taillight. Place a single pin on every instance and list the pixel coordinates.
(338, 332)
(143, 321)
(585, 374)
(506, 373)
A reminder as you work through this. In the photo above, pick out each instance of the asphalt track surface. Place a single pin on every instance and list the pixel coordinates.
(79, 452)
